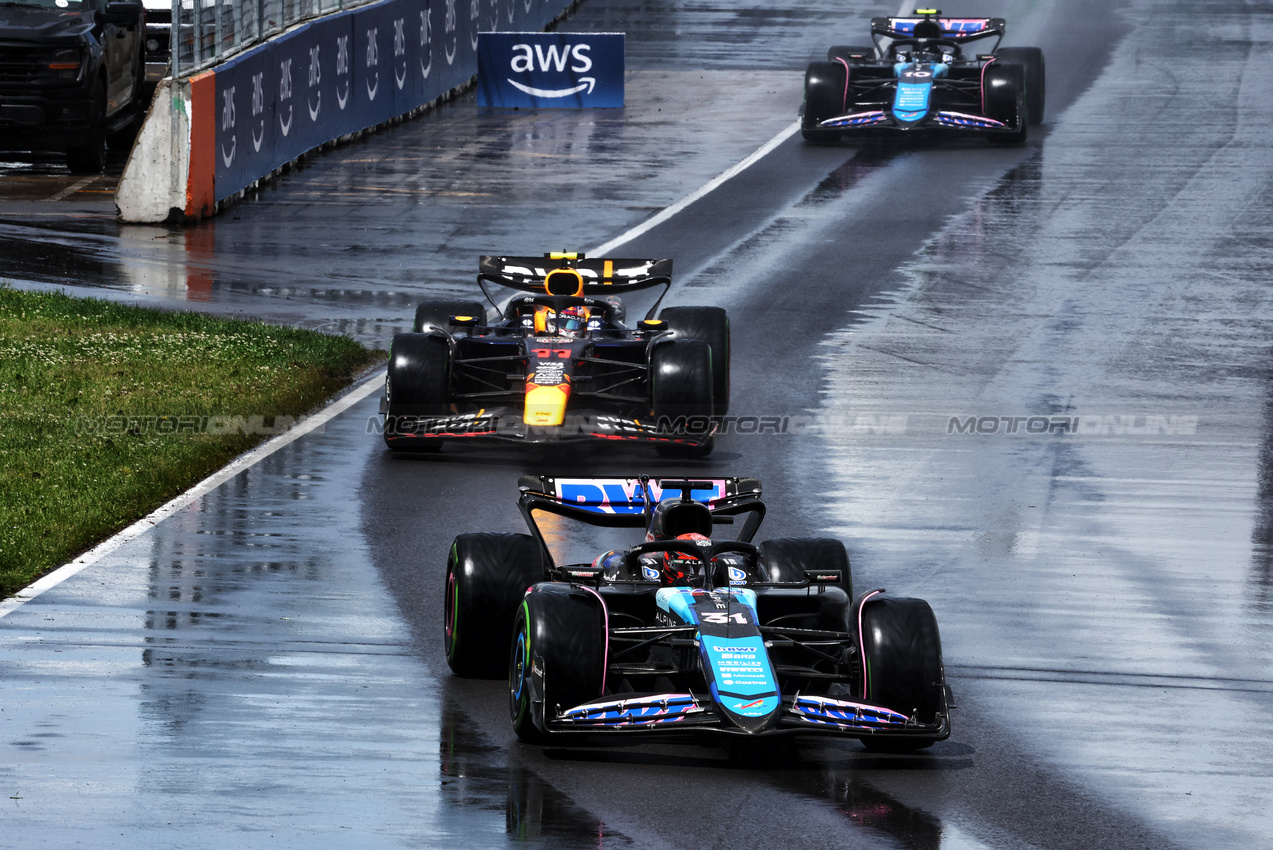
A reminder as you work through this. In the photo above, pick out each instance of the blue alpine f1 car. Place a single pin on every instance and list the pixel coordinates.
(684, 631)
(926, 74)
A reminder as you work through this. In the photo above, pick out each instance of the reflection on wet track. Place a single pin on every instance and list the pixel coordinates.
(1045, 407)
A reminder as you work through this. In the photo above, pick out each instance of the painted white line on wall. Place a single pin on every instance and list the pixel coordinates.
(649, 224)
(207, 485)
(361, 391)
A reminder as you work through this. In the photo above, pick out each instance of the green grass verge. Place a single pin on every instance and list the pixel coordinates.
(103, 412)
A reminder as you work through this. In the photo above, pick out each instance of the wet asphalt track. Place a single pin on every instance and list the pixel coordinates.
(264, 668)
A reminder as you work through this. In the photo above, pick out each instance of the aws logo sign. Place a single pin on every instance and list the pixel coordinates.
(550, 69)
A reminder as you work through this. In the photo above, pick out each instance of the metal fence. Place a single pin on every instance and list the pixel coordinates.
(205, 32)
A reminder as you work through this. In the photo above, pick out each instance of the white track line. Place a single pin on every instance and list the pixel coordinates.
(207, 485)
(72, 189)
(663, 216)
(361, 391)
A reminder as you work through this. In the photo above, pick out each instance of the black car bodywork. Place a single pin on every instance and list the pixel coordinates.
(473, 370)
(71, 75)
(926, 74)
(763, 640)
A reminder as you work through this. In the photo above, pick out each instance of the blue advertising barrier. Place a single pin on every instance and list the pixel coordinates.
(535, 69)
(350, 71)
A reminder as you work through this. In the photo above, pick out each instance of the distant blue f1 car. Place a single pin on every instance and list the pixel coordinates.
(686, 633)
(926, 73)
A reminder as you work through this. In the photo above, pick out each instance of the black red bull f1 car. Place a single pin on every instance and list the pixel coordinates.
(687, 632)
(926, 73)
(559, 362)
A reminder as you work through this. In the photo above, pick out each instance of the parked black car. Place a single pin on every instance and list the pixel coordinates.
(71, 75)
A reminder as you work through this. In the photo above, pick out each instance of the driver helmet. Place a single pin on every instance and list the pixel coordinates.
(573, 321)
(679, 567)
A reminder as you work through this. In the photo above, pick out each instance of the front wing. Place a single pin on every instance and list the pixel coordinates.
(508, 424)
(685, 712)
(881, 122)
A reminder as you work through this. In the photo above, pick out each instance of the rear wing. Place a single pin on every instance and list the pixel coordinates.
(578, 275)
(629, 502)
(954, 29)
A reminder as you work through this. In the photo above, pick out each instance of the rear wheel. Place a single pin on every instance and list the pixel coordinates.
(1031, 61)
(786, 559)
(901, 650)
(437, 314)
(486, 576)
(90, 157)
(1004, 93)
(681, 394)
(826, 95)
(559, 634)
(417, 384)
(711, 325)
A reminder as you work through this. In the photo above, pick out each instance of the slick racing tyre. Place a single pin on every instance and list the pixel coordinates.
(417, 384)
(901, 652)
(559, 634)
(1031, 61)
(437, 314)
(1003, 89)
(711, 325)
(786, 559)
(681, 393)
(826, 95)
(90, 157)
(486, 575)
(848, 54)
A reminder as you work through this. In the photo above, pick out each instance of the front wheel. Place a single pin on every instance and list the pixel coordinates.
(1031, 61)
(417, 384)
(557, 656)
(902, 665)
(486, 575)
(1004, 94)
(826, 95)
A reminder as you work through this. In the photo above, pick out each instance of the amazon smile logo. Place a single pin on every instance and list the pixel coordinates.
(584, 83)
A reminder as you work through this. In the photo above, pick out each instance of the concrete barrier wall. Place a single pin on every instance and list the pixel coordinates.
(209, 137)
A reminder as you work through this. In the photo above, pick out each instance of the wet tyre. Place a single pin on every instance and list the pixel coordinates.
(901, 652)
(486, 575)
(711, 325)
(826, 95)
(90, 157)
(417, 384)
(786, 559)
(1031, 61)
(1003, 89)
(437, 314)
(681, 394)
(560, 633)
